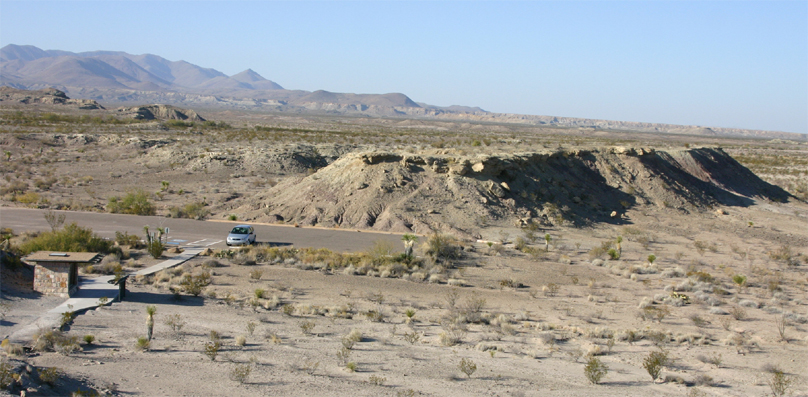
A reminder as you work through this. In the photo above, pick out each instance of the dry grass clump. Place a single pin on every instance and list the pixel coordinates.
(12, 349)
(51, 340)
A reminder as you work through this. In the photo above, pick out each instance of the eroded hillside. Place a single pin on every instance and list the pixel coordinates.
(440, 191)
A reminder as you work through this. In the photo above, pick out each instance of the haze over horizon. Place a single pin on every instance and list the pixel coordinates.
(717, 64)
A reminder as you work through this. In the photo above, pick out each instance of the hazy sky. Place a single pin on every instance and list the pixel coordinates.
(726, 63)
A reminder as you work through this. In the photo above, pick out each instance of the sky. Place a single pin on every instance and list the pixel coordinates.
(737, 64)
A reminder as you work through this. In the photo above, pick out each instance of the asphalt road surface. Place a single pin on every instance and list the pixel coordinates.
(186, 232)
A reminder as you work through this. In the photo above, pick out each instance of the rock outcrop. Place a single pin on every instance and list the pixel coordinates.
(440, 191)
(49, 96)
(161, 112)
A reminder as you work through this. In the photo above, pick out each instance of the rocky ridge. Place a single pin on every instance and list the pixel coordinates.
(49, 96)
(442, 191)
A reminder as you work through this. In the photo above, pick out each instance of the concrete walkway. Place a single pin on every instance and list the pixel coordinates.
(187, 254)
(89, 292)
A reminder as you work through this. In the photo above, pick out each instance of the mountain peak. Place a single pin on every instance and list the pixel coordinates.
(248, 76)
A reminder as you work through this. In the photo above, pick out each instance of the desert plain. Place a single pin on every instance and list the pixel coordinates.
(542, 254)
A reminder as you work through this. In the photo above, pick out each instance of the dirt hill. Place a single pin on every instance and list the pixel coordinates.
(440, 191)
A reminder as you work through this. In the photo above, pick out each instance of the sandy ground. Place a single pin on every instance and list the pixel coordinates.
(511, 349)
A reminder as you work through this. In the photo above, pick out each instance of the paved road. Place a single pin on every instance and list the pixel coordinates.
(186, 232)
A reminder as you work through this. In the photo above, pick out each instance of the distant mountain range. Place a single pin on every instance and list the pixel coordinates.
(118, 78)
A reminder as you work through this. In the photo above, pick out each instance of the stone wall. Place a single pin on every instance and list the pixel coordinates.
(53, 278)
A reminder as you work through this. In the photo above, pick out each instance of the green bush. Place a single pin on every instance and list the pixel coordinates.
(654, 363)
(71, 238)
(156, 249)
(135, 203)
(595, 370)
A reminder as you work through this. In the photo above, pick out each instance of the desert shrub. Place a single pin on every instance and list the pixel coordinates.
(550, 290)
(701, 276)
(49, 340)
(109, 265)
(595, 370)
(15, 187)
(46, 183)
(779, 382)
(155, 248)
(471, 309)
(71, 238)
(256, 274)
(601, 250)
(56, 221)
(240, 373)
(89, 339)
(143, 343)
(703, 380)
(355, 336)
(127, 239)
(195, 210)
(7, 375)
(698, 321)
(714, 359)
(412, 337)
(250, 327)
(520, 244)
(738, 313)
(193, 284)
(12, 349)
(780, 322)
(241, 340)
(783, 254)
(376, 380)
(467, 367)
(50, 376)
(136, 203)
(441, 247)
(176, 323)
(452, 335)
(375, 316)
(307, 326)
(381, 251)
(212, 349)
(343, 355)
(654, 363)
(27, 198)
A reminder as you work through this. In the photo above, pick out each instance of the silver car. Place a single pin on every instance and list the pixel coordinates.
(241, 235)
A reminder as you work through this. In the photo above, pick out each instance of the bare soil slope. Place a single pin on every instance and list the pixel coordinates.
(443, 191)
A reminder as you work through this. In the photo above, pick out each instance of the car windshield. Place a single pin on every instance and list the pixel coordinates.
(239, 230)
